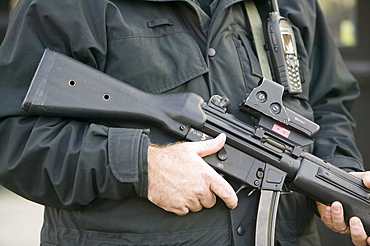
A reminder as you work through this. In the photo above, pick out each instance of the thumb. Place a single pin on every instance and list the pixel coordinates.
(208, 147)
(365, 176)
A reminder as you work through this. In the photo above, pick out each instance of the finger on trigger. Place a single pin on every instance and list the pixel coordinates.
(224, 191)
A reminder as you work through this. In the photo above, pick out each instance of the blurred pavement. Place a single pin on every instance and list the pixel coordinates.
(20, 220)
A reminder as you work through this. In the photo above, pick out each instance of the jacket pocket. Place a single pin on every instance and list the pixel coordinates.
(248, 60)
(251, 66)
(156, 63)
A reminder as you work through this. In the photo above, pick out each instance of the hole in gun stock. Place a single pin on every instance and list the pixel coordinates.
(72, 83)
(106, 97)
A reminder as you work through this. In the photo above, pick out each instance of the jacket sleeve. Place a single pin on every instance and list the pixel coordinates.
(333, 91)
(60, 162)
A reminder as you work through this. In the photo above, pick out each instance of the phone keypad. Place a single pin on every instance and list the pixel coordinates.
(293, 72)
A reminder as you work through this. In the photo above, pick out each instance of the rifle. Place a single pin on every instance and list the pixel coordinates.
(264, 156)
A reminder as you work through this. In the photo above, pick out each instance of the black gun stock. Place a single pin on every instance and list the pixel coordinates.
(264, 156)
(105, 97)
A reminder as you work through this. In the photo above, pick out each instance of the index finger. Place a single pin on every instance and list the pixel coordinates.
(224, 191)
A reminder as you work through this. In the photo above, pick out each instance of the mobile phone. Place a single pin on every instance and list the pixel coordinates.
(282, 52)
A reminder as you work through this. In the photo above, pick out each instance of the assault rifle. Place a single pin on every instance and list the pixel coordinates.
(265, 156)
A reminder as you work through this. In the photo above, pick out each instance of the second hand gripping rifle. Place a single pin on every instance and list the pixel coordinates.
(264, 156)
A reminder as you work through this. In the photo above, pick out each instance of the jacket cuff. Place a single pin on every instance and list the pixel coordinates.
(141, 187)
(127, 153)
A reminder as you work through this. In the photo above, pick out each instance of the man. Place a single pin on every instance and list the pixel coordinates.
(111, 183)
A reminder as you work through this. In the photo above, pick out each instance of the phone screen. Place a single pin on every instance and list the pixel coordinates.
(288, 43)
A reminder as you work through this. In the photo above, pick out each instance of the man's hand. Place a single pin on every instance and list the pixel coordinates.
(181, 181)
(333, 217)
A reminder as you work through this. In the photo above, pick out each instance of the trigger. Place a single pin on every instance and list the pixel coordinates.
(240, 188)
